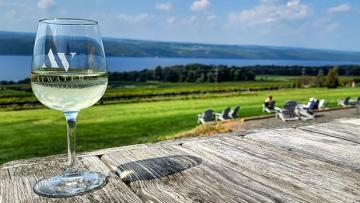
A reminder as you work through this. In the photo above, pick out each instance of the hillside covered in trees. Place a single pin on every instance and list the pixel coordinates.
(15, 43)
(212, 73)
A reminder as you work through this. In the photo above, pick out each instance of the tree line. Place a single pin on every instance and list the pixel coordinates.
(222, 73)
(218, 73)
(186, 73)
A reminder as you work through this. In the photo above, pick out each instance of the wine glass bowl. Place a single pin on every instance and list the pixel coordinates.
(69, 68)
(69, 73)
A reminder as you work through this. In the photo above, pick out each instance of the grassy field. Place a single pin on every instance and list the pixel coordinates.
(123, 92)
(41, 132)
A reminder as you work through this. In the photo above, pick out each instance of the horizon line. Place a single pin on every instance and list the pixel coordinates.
(212, 44)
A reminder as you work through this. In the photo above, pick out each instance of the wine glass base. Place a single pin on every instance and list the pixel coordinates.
(66, 185)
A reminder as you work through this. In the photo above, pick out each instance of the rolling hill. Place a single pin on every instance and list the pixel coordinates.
(15, 43)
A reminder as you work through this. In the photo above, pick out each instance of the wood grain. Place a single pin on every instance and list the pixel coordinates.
(326, 148)
(17, 182)
(232, 169)
(182, 177)
(345, 129)
(304, 178)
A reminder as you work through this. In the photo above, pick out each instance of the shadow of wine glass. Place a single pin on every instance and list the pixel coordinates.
(155, 168)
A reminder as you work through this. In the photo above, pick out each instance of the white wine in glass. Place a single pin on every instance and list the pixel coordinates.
(69, 73)
(67, 92)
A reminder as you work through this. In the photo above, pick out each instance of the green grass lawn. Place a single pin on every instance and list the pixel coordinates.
(41, 132)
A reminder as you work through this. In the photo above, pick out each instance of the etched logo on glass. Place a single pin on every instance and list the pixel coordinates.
(61, 59)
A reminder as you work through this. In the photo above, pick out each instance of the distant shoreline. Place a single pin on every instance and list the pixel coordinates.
(13, 43)
(338, 62)
(17, 67)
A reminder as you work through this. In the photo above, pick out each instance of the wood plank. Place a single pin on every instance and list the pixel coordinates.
(354, 121)
(345, 129)
(17, 181)
(330, 149)
(164, 174)
(100, 152)
(307, 179)
(229, 172)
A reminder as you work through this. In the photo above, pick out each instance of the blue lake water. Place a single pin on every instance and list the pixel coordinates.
(18, 67)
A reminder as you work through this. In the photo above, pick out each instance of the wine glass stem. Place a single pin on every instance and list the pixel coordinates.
(71, 141)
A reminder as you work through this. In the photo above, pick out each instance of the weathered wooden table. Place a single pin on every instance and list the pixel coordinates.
(316, 163)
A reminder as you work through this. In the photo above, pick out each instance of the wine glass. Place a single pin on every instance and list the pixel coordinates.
(69, 74)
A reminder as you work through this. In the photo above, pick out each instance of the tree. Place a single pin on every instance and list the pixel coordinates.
(141, 76)
(250, 75)
(149, 75)
(200, 77)
(211, 77)
(238, 75)
(183, 75)
(303, 71)
(191, 76)
(158, 73)
(320, 78)
(332, 79)
(171, 75)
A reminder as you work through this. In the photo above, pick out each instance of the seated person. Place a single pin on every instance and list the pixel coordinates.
(312, 104)
(267, 101)
(269, 104)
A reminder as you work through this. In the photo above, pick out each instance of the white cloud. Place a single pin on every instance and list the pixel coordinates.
(271, 11)
(171, 20)
(134, 18)
(339, 8)
(44, 4)
(164, 6)
(199, 5)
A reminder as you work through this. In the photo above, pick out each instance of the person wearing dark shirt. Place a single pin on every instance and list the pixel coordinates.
(268, 101)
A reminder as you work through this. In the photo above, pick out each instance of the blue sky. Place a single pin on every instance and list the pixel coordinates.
(330, 24)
